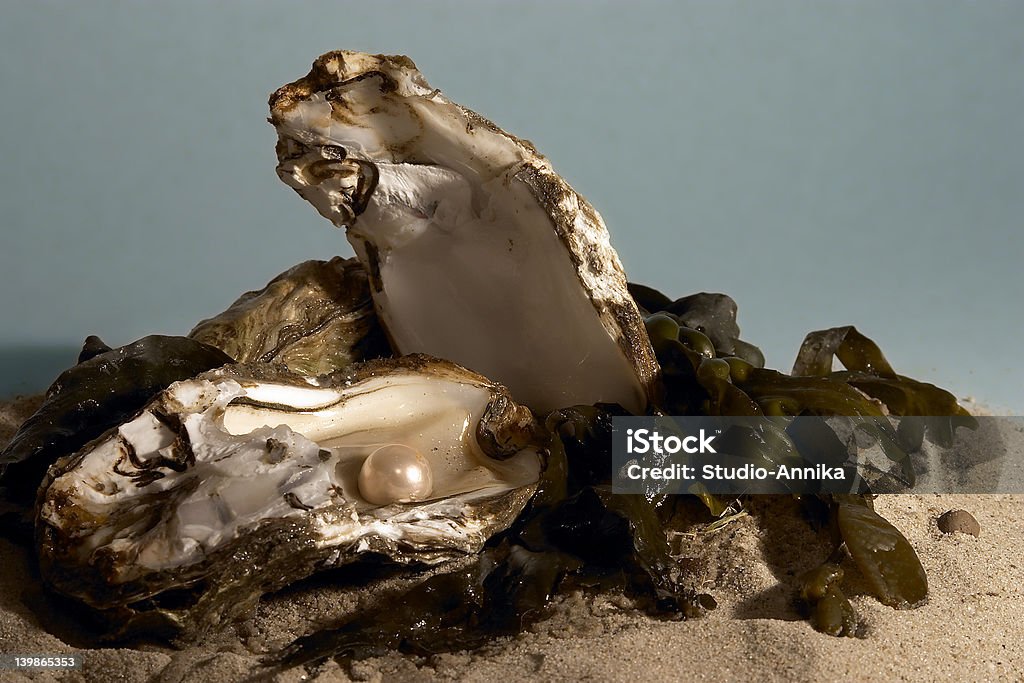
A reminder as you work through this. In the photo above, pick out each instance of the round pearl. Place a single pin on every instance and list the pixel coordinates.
(395, 474)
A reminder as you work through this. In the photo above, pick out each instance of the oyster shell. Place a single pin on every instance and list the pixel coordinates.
(314, 318)
(248, 478)
(476, 249)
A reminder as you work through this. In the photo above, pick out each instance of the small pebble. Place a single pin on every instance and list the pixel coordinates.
(959, 521)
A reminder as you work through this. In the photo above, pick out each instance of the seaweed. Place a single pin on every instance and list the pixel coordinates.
(730, 381)
(882, 554)
(868, 371)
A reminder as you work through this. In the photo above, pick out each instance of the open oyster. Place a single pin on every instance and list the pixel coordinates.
(314, 318)
(476, 249)
(250, 477)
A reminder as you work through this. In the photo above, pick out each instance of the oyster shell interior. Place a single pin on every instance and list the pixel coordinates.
(476, 249)
(215, 462)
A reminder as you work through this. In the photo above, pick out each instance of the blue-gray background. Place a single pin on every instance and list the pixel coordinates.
(824, 163)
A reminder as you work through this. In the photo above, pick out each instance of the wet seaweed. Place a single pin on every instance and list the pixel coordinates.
(868, 389)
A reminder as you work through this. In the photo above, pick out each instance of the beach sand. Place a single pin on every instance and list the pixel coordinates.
(971, 628)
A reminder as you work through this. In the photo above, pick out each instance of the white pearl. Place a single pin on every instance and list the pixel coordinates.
(395, 473)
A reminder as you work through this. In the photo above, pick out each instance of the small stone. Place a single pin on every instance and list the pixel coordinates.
(959, 521)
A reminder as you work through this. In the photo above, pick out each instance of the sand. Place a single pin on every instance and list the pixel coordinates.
(971, 628)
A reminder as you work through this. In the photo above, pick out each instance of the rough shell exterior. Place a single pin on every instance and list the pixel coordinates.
(315, 318)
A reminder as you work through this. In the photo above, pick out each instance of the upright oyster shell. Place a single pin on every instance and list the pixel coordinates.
(314, 318)
(476, 249)
(248, 478)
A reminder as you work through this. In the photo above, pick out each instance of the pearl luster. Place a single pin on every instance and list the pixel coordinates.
(395, 473)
